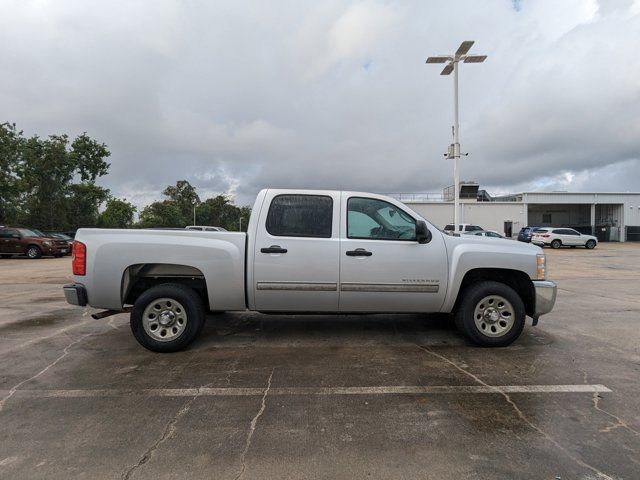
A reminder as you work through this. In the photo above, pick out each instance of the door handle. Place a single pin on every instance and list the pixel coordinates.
(359, 252)
(273, 249)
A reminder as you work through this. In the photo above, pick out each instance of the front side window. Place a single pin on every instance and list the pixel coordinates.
(300, 216)
(369, 218)
(27, 233)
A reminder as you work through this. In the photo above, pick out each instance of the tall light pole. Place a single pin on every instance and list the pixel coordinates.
(195, 204)
(454, 150)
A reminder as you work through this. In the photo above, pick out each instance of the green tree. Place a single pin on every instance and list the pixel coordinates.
(117, 214)
(220, 211)
(161, 214)
(184, 196)
(83, 202)
(50, 182)
(10, 145)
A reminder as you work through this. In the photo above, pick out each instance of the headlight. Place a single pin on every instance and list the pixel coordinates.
(47, 244)
(542, 266)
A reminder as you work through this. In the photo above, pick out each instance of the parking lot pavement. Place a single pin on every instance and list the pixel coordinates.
(374, 396)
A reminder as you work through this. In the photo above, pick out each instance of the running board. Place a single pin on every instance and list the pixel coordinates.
(108, 313)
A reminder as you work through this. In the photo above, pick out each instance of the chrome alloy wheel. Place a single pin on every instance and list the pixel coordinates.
(32, 252)
(164, 319)
(494, 316)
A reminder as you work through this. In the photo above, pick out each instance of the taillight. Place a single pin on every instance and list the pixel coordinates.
(79, 262)
(546, 235)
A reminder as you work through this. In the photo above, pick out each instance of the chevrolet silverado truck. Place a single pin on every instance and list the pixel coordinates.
(309, 251)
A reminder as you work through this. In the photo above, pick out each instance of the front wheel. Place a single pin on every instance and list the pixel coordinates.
(34, 252)
(491, 314)
(167, 317)
(591, 244)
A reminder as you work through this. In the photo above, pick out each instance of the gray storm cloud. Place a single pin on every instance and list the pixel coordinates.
(237, 96)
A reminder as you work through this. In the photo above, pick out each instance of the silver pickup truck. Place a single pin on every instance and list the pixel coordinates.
(309, 251)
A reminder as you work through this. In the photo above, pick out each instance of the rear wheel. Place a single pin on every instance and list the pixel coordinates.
(34, 252)
(491, 314)
(591, 244)
(556, 244)
(167, 317)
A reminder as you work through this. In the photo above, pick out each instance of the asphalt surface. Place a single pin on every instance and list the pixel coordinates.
(325, 397)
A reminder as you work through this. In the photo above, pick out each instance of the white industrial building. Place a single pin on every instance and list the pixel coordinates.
(609, 216)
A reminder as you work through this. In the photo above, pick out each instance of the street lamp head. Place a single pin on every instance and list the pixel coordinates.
(475, 58)
(447, 69)
(464, 47)
(439, 59)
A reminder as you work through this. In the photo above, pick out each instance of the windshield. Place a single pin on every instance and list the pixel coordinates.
(28, 233)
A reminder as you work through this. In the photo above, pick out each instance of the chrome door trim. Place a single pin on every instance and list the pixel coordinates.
(298, 286)
(388, 287)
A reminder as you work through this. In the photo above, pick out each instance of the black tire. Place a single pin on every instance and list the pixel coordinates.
(472, 297)
(194, 310)
(34, 252)
(556, 243)
(591, 244)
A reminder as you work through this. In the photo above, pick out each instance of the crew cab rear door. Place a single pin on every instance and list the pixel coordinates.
(296, 254)
(383, 268)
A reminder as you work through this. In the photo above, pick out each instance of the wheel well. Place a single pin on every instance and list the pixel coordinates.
(138, 278)
(515, 279)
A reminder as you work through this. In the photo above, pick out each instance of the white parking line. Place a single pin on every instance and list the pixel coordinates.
(257, 391)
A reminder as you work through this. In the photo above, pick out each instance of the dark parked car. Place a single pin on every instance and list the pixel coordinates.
(525, 234)
(23, 241)
(61, 236)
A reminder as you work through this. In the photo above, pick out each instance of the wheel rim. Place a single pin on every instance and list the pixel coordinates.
(494, 316)
(32, 252)
(164, 319)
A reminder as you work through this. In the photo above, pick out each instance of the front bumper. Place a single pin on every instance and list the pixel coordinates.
(75, 294)
(546, 291)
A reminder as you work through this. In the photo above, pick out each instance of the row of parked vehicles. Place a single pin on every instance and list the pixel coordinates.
(554, 237)
(33, 243)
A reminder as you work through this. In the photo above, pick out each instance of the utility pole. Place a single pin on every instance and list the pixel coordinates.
(454, 150)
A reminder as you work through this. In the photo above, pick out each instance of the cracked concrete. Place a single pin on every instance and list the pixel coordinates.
(520, 413)
(252, 427)
(353, 397)
(167, 433)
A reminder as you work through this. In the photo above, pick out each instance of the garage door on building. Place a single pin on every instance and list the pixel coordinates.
(633, 234)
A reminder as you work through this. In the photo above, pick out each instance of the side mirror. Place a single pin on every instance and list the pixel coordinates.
(423, 235)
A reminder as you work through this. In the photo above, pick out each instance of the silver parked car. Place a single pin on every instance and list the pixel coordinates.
(485, 233)
(562, 237)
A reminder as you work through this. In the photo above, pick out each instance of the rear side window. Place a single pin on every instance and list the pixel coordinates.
(473, 228)
(300, 216)
(448, 227)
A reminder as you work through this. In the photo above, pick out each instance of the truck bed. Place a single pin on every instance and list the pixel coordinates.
(118, 256)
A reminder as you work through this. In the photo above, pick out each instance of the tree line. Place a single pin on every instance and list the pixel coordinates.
(50, 184)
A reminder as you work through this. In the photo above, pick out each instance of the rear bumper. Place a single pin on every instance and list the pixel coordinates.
(545, 297)
(75, 294)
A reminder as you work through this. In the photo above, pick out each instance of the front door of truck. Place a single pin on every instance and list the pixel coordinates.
(382, 266)
(296, 263)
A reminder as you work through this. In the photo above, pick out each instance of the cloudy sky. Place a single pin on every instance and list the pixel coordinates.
(236, 96)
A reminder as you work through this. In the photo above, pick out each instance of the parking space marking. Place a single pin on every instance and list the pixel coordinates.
(258, 391)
